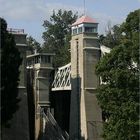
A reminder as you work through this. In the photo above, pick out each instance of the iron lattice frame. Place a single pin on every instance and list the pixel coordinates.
(62, 80)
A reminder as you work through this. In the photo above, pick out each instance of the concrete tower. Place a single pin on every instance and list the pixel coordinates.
(85, 113)
(19, 124)
(39, 67)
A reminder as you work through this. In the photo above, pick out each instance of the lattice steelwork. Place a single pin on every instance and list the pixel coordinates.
(62, 80)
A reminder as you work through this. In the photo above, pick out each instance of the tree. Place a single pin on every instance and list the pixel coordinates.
(119, 95)
(33, 44)
(58, 35)
(113, 37)
(131, 29)
(10, 62)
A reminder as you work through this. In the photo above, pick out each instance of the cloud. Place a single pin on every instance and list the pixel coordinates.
(30, 14)
(36, 10)
(31, 10)
(21, 10)
(57, 6)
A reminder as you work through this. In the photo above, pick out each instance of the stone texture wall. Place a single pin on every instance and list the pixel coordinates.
(85, 113)
(19, 124)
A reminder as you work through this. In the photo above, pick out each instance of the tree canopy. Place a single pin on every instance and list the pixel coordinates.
(119, 95)
(58, 35)
(112, 38)
(115, 35)
(33, 44)
(10, 62)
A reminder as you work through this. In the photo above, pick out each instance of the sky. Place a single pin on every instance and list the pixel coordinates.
(30, 14)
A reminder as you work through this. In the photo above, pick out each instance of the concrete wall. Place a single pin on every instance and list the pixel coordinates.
(20, 40)
(75, 88)
(91, 82)
(91, 57)
(85, 111)
(19, 124)
(93, 116)
(38, 88)
(77, 112)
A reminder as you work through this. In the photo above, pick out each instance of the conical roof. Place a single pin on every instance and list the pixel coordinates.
(84, 19)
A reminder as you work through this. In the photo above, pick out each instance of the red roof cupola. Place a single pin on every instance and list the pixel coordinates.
(84, 19)
(83, 25)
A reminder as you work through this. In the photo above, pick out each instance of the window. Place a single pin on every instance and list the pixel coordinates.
(90, 30)
(49, 59)
(95, 30)
(74, 31)
(80, 30)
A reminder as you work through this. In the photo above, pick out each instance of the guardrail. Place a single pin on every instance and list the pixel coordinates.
(54, 129)
(17, 31)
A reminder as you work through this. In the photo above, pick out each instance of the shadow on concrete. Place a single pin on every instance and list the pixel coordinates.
(60, 108)
(31, 105)
(75, 115)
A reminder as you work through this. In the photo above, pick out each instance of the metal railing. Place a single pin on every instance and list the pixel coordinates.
(53, 129)
(17, 31)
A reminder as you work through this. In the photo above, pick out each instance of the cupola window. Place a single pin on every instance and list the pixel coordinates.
(74, 31)
(80, 30)
(90, 30)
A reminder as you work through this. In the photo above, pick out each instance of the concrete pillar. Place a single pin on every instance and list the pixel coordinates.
(85, 113)
(19, 124)
(40, 69)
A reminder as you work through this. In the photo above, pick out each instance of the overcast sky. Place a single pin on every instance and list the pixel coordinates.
(30, 14)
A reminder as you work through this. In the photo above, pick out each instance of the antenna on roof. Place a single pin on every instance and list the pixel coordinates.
(84, 8)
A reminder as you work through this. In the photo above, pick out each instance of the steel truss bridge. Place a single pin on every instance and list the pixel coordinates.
(62, 79)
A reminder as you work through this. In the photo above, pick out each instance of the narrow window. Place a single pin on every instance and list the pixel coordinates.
(49, 59)
(74, 31)
(80, 30)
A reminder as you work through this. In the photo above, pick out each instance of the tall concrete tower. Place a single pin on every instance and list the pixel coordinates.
(85, 113)
(19, 124)
(39, 67)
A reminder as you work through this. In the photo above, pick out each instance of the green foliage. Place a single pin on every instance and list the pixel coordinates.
(113, 37)
(58, 35)
(132, 23)
(131, 28)
(33, 44)
(119, 96)
(10, 62)
(116, 34)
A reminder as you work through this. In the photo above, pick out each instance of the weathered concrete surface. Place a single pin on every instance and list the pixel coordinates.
(85, 113)
(19, 124)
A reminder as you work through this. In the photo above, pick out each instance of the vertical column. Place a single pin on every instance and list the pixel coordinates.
(74, 106)
(93, 111)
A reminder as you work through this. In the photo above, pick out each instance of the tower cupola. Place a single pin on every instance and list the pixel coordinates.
(84, 24)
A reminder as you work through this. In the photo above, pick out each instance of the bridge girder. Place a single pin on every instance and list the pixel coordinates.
(62, 80)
